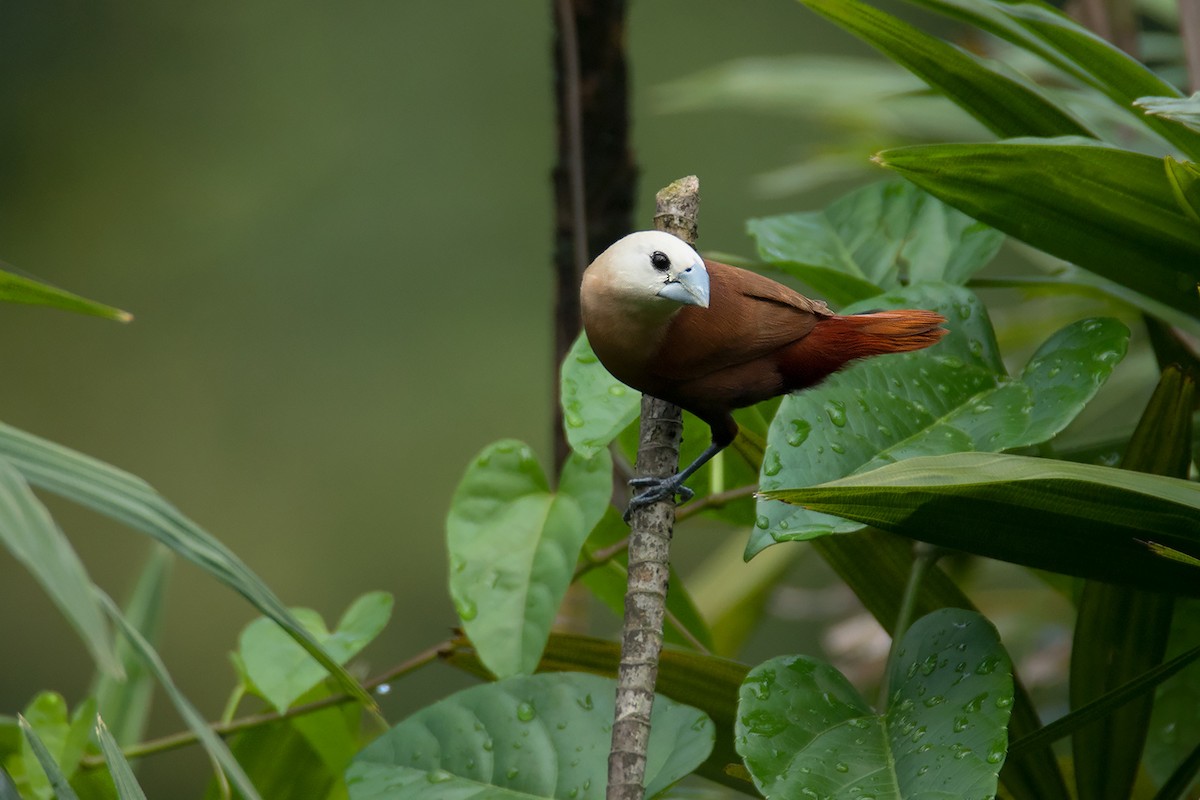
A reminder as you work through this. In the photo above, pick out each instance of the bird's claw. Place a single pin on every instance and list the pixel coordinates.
(656, 489)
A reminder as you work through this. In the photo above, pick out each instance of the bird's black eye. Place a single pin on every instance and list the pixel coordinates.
(660, 261)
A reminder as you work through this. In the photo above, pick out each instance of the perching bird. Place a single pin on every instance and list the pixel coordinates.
(710, 338)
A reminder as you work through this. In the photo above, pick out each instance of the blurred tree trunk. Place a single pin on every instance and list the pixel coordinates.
(595, 176)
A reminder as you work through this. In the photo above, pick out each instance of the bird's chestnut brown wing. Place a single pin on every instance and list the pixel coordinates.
(749, 318)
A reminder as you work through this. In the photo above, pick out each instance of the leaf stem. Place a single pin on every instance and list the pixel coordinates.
(228, 728)
(925, 556)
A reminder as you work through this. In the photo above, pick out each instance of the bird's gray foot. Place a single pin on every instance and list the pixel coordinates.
(656, 489)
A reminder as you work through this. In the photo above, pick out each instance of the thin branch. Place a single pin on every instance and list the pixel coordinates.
(716, 500)
(185, 738)
(1189, 34)
(649, 547)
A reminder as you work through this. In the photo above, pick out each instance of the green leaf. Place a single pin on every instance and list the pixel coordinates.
(1184, 110)
(8, 789)
(1184, 178)
(1111, 211)
(50, 735)
(130, 500)
(539, 736)
(1125, 629)
(867, 241)
(282, 763)
(513, 547)
(875, 565)
(804, 731)
(706, 682)
(1006, 106)
(1077, 519)
(126, 703)
(280, 671)
(54, 773)
(1174, 729)
(217, 750)
(596, 406)
(21, 289)
(1058, 40)
(29, 533)
(951, 397)
(122, 773)
(1098, 62)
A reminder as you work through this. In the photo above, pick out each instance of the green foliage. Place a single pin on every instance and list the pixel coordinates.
(1078, 519)
(954, 397)
(126, 784)
(1111, 211)
(29, 533)
(132, 501)
(803, 728)
(513, 547)
(873, 240)
(21, 289)
(51, 747)
(540, 736)
(273, 666)
(921, 444)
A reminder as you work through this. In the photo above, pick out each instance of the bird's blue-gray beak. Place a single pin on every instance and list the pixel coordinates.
(689, 288)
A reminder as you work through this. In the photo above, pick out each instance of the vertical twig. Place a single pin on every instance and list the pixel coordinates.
(1189, 33)
(594, 179)
(649, 547)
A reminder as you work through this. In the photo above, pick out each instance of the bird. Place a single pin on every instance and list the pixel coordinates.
(712, 338)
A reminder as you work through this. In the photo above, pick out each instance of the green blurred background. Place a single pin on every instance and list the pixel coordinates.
(333, 224)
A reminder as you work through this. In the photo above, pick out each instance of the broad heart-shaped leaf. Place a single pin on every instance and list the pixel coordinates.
(805, 732)
(29, 533)
(20, 289)
(1111, 211)
(279, 670)
(1077, 519)
(513, 547)
(951, 397)
(863, 243)
(537, 736)
(133, 502)
(596, 406)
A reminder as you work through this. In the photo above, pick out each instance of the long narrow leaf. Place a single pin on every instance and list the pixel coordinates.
(216, 748)
(29, 533)
(122, 774)
(130, 500)
(1104, 705)
(20, 289)
(58, 781)
(1005, 106)
(1120, 632)
(126, 703)
(1111, 211)
(1077, 519)
(8, 789)
(1052, 36)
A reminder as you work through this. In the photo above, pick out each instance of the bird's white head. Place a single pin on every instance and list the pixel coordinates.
(650, 267)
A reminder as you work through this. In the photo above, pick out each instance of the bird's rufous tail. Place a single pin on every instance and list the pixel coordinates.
(837, 340)
(881, 332)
